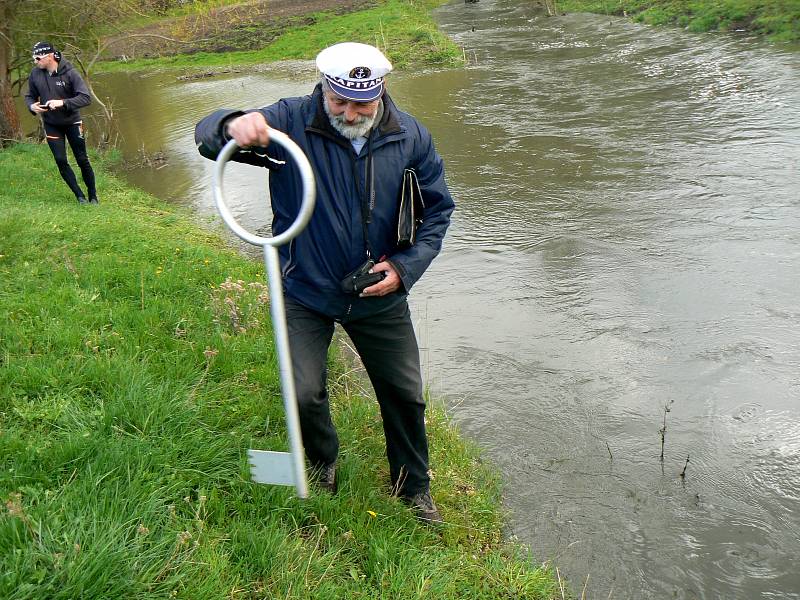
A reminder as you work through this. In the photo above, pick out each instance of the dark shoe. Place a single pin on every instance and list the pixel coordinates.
(93, 201)
(325, 478)
(82, 200)
(423, 507)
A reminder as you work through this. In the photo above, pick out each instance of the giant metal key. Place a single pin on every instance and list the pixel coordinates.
(280, 468)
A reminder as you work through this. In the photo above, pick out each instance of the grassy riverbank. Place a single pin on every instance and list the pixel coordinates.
(777, 19)
(403, 29)
(133, 380)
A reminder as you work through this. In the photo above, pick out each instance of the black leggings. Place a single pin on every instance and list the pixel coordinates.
(74, 134)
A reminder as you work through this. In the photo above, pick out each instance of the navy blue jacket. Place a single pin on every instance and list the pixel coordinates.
(64, 84)
(332, 245)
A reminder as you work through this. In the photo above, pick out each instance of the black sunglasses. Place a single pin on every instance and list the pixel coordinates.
(38, 58)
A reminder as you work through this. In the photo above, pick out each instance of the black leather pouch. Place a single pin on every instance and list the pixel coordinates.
(410, 213)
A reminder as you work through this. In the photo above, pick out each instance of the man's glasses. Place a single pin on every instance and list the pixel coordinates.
(38, 58)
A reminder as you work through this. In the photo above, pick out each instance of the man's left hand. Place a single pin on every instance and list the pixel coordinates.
(54, 104)
(391, 283)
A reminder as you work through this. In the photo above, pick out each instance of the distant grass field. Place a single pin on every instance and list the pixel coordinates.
(403, 29)
(777, 19)
(136, 368)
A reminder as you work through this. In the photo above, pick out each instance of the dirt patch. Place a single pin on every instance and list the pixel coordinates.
(246, 26)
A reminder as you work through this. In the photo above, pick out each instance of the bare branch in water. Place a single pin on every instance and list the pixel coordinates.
(683, 473)
(663, 431)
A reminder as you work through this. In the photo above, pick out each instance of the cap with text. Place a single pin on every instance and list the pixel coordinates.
(354, 71)
(43, 48)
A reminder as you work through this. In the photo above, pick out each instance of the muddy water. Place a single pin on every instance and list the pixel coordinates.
(626, 242)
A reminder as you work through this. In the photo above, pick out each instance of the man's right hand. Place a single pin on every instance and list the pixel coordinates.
(38, 108)
(249, 130)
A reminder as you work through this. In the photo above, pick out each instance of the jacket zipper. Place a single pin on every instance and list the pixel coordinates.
(289, 266)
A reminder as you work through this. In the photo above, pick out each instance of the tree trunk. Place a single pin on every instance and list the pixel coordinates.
(9, 119)
(10, 129)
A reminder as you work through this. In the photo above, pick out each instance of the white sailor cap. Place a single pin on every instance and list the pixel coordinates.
(354, 71)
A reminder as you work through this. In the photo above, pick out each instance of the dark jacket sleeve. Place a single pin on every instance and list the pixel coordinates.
(210, 137)
(32, 95)
(412, 262)
(82, 96)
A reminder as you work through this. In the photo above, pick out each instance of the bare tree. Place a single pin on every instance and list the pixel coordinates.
(9, 120)
(23, 22)
(70, 24)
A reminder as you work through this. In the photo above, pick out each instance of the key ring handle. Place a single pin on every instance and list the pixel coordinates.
(306, 207)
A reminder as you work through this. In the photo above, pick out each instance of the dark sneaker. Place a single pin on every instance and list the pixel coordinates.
(423, 507)
(93, 201)
(325, 478)
(82, 200)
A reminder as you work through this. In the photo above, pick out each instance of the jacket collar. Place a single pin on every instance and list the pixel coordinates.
(61, 68)
(320, 123)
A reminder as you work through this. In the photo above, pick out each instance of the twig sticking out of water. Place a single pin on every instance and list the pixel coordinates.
(683, 473)
(560, 584)
(609, 451)
(583, 594)
(155, 160)
(663, 430)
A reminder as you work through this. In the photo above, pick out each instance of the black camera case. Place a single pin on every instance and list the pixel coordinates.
(355, 281)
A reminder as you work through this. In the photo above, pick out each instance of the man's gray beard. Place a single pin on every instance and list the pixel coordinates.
(351, 131)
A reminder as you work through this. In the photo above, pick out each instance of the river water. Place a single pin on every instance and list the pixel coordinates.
(626, 251)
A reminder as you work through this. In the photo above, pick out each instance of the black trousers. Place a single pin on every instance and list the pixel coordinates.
(74, 134)
(388, 348)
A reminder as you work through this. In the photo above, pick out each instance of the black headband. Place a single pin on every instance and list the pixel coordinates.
(42, 48)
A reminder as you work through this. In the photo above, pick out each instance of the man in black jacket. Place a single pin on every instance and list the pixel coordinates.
(56, 91)
(359, 145)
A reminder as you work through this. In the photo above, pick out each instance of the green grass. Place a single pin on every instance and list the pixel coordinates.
(777, 19)
(133, 17)
(192, 7)
(129, 395)
(403, 29)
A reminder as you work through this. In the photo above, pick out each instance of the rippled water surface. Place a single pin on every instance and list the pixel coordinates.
(629, 216)
(626, 242)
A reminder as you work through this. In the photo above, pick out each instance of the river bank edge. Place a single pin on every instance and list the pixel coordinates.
(404, 30)
(777, 21)
(129, 394)
(407, 33)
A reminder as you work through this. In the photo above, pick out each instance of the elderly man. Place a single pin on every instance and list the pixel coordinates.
(359, 145)
(56, 91)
